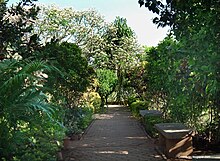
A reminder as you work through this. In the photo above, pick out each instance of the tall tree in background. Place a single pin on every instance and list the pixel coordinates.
(107, 81)
(84, 28)
(120, 52)
(73, 78)
(16, 24)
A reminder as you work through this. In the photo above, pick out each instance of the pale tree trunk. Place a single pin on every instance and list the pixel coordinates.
(102, 104)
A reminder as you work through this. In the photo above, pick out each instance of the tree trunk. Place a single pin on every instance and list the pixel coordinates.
(102, 104)
(106, 101)
(120, 83)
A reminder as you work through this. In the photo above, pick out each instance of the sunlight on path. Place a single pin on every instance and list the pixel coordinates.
(114, 136)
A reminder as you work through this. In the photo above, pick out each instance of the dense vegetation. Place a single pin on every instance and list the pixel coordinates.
(182, 73)
(59, 66)
(40, 85)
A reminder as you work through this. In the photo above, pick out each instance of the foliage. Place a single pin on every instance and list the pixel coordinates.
(138, 105)
(131, 100)
(149, 122)
(161, 66)
(120, 46)
(136, 80)
(92, 100)
(112, 46)
(107, 81)
(34, 86)
(195, 25)
(177, 96)
(30, 125)
(120, 52)
(69, 83)
(26, 117)
(15, 24)
(185, 16)
(74, 75)
(84, 28)
(77, 119)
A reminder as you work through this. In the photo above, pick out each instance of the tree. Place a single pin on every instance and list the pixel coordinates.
(102, 44)
(16, 23)
(74, 74)
(32, 75)
(183, 16)
(137, 79)
(30, 125)
(120, 52)
(195, 25)
(84, 28)
(107, 81)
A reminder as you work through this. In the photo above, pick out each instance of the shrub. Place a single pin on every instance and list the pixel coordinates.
(131, 100)
(77, 119)
(41, 142)
(30, 125)
(92, 100)
(138, 105)
(85, 117)
(150, 121)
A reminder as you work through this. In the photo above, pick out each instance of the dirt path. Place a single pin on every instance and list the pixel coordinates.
(115, 136)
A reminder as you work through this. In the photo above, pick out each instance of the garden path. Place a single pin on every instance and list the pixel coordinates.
(114, 136)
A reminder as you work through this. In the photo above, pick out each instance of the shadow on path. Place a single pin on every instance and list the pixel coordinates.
(114, 136)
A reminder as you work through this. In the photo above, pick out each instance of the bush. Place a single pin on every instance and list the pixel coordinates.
(85, 117)
(138, 105)
(150, 121)
(92, 100)
(77, 120)
(42, 144)
(30, 125)
(131, 100)
(32, 141)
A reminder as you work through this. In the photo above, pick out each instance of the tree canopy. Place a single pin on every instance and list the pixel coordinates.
(194, 24)
(84, 28)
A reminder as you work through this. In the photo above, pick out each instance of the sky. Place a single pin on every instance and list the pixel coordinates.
(138, 18)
